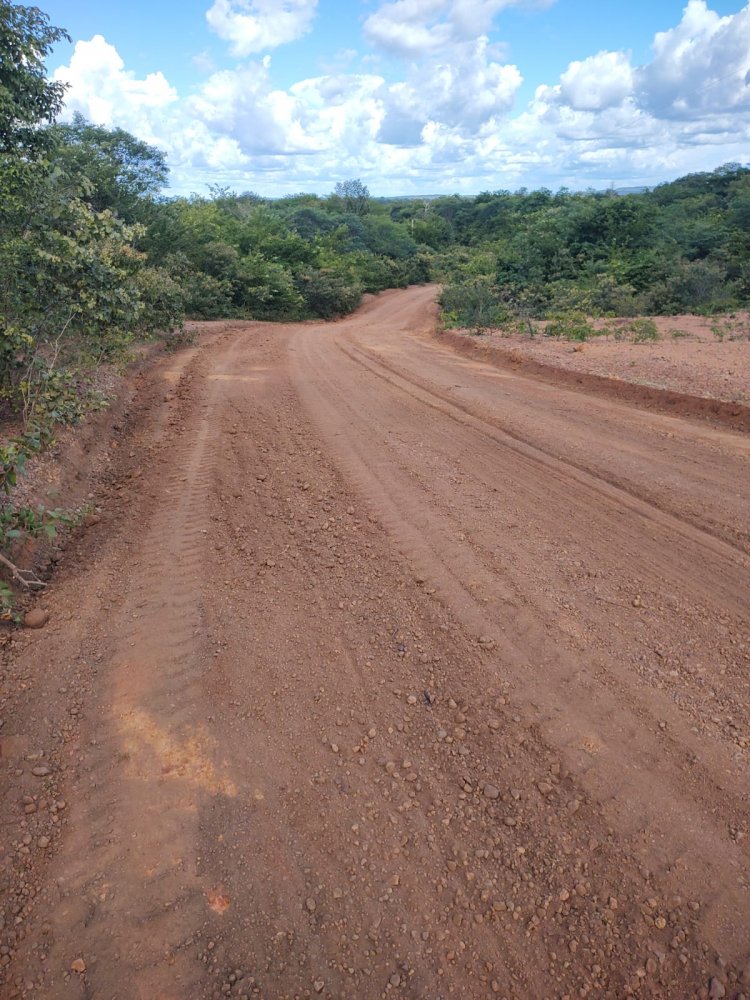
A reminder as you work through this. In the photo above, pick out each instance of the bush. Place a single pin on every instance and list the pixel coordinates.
(163, 300)
(327, 293)
(643, 330)
(609, 297)
(473, 304)
(265, 289)
(570, 326)
(207, 297)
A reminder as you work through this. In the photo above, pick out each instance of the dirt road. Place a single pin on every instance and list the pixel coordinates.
(387, 673)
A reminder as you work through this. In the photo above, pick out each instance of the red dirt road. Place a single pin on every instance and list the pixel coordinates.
(387, 673)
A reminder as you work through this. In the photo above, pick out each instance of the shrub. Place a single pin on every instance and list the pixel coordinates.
(643, 330)
(328, 293)
(570, 326)
(163, 299)
(473, 304)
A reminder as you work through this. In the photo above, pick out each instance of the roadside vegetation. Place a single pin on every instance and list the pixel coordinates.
(95, 257)
(683, 247)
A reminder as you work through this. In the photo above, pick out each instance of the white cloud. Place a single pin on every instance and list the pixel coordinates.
(700, 67)
(409, 28)
(259, 25)
(462, 92)
(446, 123)
(241, 104)
(102, 89)
(415, 28)
(601, 81)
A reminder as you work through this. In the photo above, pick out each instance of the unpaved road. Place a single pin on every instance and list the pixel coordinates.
(387, 673)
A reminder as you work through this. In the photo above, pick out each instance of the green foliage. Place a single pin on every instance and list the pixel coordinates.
(473, 303)
(27, 97)
(17, 523)
(354, 195)
(684, 247)
(265, 289)
(237, 255)
(116, 171)
(328, 293)
(75, 288)
(163, 301)
(643, 330)
(570, 326)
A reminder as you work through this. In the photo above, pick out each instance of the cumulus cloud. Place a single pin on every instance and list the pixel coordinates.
(462, 92)
(700, 67)
(415, 28)
(102, 89)
(259, 25)
(601, 81)
(241, 104)
(445, 122)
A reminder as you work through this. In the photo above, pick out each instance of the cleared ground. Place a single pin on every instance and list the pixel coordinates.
(387, 672)
(688, 357)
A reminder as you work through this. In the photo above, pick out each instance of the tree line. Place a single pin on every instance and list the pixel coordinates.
(683, 246)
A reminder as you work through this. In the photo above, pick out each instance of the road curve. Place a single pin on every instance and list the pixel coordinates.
(397, 675)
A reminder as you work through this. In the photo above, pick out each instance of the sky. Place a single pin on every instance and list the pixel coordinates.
(415, 97)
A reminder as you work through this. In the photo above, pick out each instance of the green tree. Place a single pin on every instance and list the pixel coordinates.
(27, 97)
(354, 195)
(115, 170)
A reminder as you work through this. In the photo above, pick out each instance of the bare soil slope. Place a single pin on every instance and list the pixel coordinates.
(687, 371)
(386, 673)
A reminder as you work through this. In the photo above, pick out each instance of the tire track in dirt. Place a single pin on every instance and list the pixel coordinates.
(646, 790)
(547, 464)
(302, 774)
(130, 878)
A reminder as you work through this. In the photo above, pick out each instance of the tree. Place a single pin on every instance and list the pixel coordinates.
(27, 97)
(355, 196)
(120, 171)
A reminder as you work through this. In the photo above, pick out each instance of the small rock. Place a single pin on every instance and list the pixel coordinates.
(41, 770)
(395, 979)
(318, 985)
(43, 842)
(36, 618)
(310, 904)
(716, 989)
(78, 965)
(544, 787)
(491, 792)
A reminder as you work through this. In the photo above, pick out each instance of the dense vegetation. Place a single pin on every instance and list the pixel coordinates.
(294, 258)
(681, 247)
(93, 255)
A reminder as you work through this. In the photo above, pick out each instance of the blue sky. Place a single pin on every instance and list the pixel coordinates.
(416, 96)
